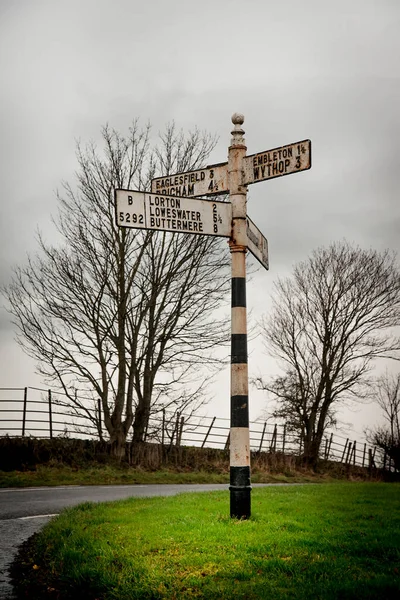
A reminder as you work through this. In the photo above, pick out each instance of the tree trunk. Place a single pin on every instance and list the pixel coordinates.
(117, 444)
(311, 451)
(142, 415)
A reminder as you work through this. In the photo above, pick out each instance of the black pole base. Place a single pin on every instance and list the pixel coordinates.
(240, 490)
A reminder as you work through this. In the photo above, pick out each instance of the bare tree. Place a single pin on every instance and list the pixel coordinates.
(329, 321)
(386, 392)
(293, 403)
(122, 315)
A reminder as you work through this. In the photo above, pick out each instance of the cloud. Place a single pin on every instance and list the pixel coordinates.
(311, 69)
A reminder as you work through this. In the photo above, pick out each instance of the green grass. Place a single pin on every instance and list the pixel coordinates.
(113, 475)
(336, 541)
(102, 475)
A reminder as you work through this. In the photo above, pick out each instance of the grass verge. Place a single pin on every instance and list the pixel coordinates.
(113, 475)
(102, 475)
(336, 541)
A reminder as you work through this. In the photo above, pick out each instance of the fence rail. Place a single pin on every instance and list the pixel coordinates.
(41, 413)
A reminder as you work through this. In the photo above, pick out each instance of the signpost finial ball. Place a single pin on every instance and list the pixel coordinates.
(237, 119)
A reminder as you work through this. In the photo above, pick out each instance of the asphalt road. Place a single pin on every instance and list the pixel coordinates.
(24, 511)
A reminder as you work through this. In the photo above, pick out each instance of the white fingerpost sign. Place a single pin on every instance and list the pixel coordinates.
(210, 181)
(257, 243)
(277, 162)
(143, 210)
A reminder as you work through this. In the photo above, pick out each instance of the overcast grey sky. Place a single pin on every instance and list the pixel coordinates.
(328, 71)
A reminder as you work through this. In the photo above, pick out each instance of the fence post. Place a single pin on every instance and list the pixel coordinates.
(329, 447)
(330, 443)
(175, 431)
(348, 453)
(50, 416)
(180, 431)
(228, 439)
(273, 441)
(371, 456)
(100, 419)
(354, 452)
(207, 434)
(345, 448)
(24, 411)
(163, 427)
(365, 449)
(178, 416)
(284, 439)
(262, 437)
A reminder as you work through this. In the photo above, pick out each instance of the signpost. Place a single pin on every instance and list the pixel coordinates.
(142, 210)
(174, 206)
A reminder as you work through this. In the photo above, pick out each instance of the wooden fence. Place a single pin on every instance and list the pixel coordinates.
(40, 413)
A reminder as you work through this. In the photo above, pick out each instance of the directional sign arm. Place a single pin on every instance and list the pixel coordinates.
(278, 162)
(210, 181)
(257, 243)
(143, 210)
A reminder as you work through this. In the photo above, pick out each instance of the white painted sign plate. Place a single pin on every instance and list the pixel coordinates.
(143, 210)
(277, 162)
(257, 243)
(211, 181)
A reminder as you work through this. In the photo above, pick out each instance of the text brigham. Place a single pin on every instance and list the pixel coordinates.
(180, 185)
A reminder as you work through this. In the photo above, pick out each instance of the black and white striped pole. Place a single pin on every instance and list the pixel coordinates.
(240, 488)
